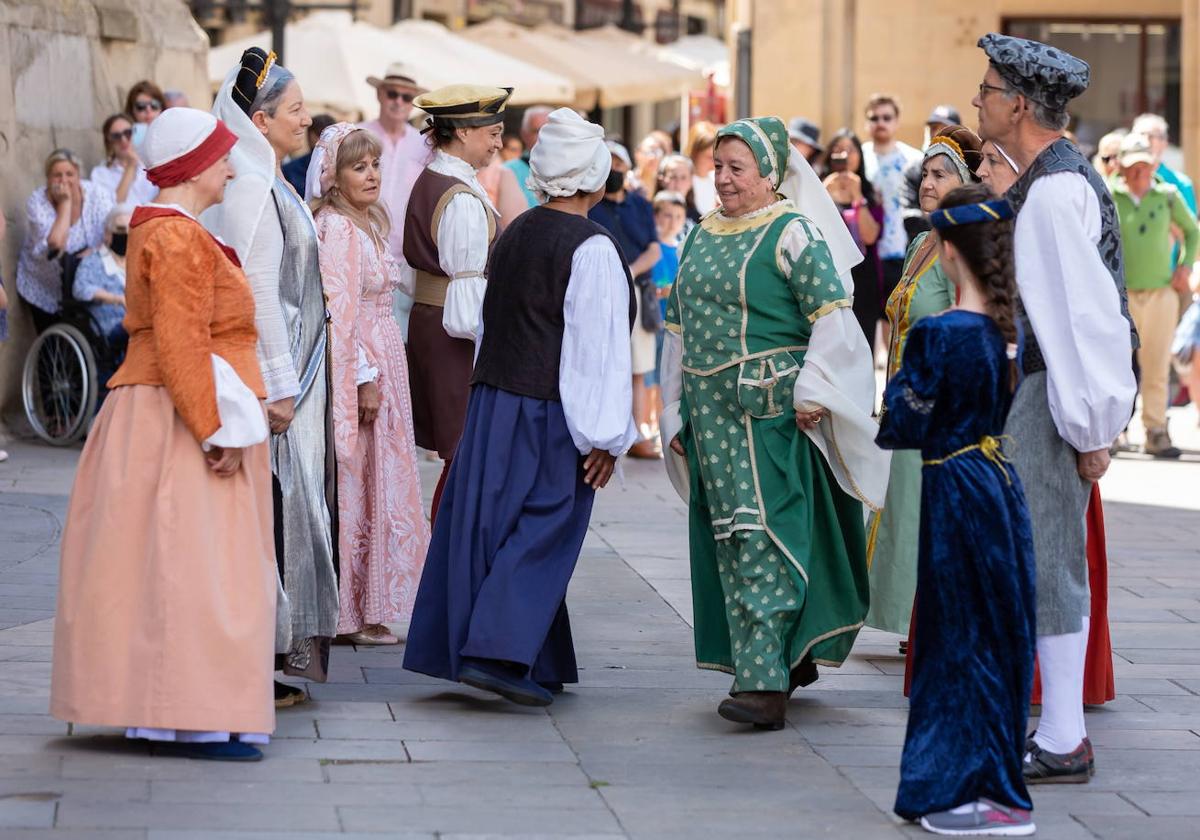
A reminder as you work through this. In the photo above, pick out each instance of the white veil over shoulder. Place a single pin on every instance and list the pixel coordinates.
(801, 185)
(236, 218)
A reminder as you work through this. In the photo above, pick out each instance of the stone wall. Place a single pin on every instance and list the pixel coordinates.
(65, 65)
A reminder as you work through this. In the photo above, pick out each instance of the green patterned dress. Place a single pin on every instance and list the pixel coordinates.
(892, 533)
(777, 547)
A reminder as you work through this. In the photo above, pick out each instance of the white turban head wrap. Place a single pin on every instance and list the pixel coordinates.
(570, 156)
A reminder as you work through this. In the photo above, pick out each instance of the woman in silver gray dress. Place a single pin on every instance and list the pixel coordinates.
(273, 233)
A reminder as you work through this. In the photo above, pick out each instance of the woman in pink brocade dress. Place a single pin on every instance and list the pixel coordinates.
(382, 530)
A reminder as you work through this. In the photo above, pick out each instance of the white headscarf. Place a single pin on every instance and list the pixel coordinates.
(236, 218)
(570, 156)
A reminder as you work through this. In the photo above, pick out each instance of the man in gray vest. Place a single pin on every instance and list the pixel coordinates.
(1077, 386)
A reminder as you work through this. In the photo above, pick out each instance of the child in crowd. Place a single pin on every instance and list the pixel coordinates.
(974, 621)
(670, 218)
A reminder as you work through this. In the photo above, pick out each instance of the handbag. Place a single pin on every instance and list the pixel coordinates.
(648, 307)
(644, 286)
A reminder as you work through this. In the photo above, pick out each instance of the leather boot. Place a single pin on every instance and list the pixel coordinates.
(803, 674)
(764, 709)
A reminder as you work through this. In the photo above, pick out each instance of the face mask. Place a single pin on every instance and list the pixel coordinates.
(119, 242)
(615, 182)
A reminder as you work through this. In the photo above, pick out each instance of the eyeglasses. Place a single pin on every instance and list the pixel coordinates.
(118, 136)
(1107, 158)
(880, 118)
(147, 105)
(395, 94)
(984, 87)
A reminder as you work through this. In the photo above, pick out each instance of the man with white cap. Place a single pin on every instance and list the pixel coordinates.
(405, 154)
(549, 415)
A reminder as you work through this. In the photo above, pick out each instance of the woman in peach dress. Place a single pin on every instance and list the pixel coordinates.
(382, 531)
(166, 600)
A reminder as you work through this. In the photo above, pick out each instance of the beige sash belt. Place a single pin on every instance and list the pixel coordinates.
(431, 289)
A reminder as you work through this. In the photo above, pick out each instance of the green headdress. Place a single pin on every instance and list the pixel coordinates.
(767, 137)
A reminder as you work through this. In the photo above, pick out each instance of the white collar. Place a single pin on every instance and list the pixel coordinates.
(456, 167)
(109, 261)
(179, 209)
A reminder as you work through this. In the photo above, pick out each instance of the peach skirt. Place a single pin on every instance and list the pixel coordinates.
(166, 599)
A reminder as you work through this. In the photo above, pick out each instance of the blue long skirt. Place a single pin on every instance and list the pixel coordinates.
(512, 520)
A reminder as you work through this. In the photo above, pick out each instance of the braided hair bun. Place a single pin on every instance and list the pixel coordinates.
(252, 74)
(987, 248)
(967, 140)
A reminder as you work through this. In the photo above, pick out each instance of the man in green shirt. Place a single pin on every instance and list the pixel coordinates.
(1153, 275)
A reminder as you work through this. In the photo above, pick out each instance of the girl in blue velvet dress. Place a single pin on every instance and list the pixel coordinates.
(960, 773)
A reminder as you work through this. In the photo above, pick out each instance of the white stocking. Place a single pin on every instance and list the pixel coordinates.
(1061, 660)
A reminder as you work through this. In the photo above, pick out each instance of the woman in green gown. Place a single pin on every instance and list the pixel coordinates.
(769, 389)
(950, 161)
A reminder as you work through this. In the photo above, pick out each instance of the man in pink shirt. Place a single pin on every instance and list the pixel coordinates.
(405, 154)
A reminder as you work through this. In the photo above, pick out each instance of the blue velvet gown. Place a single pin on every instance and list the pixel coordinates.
(975, 617)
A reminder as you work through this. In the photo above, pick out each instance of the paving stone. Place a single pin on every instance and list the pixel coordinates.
(490, 751)
(17, 813)
(272, 793)
(207, 815)
(495, 820)
(1139, 828)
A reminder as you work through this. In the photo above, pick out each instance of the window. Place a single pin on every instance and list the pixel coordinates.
(1135, 69)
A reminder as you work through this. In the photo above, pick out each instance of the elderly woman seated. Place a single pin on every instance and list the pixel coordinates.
(66, 217)
(100, 283)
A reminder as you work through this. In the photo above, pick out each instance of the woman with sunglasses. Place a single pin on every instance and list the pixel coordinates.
(144, 102)
(122, 172)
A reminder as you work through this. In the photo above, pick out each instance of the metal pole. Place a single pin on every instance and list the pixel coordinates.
(278, 11)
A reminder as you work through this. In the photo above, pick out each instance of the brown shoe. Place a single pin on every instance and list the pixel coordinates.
(764, 709)
(1158, 444)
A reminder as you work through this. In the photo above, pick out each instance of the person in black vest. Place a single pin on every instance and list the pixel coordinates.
(549, 414)
(1076, 389)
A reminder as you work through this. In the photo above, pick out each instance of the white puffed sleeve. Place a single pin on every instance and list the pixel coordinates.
(261, 265)
(838, 375)
(243, 422)
(462, 241)
(595, 373)
(1075, 310)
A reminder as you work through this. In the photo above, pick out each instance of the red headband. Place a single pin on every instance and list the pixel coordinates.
(175, 172)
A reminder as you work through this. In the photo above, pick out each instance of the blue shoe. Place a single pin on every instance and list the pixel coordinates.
(492, 676)
(214, 751)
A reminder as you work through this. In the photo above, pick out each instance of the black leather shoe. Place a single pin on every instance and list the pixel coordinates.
(1046, 768)
(764, 709)
(803, 674)
(493, 676)
(552, 687)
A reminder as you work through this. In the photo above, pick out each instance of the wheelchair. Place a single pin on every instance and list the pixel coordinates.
(60, 383)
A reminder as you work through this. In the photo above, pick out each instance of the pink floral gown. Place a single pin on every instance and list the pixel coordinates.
(382, 531)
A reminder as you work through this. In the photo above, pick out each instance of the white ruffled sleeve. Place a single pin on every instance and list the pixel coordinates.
(838, 373)
(670, 422)
(1075, 310)
(261, 265)
(595, 374)
(462, 241)
(243, 422)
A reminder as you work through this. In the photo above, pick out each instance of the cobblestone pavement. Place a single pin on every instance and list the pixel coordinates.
(636, 750)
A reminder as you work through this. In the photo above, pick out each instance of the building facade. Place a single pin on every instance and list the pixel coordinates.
(823, 58)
